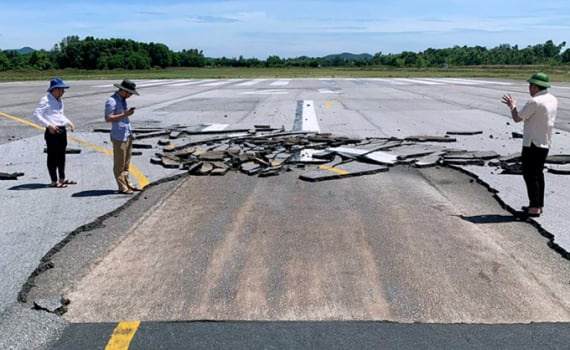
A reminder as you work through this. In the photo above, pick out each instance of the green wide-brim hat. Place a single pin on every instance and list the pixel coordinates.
(128, 86)
(540, 79)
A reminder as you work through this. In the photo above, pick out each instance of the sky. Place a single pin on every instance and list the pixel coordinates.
(288, 28)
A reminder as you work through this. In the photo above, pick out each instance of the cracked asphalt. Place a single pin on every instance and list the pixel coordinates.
(35, 219)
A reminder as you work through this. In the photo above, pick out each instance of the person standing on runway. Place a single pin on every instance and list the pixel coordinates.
(538, 115)
(49, 114)
(117, 113)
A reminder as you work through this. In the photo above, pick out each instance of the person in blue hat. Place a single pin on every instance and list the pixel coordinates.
(538, 115)
(49, 114)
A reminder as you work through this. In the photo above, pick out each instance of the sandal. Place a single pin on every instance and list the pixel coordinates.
(69, 182)
(129, 191)
(57, 185)
(525, 209)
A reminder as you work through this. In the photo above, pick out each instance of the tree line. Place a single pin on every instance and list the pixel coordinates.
(108, 54)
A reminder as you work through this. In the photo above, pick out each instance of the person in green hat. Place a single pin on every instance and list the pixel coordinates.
(538, 115)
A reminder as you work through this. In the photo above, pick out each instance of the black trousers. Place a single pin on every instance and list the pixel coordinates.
(56, 145)
(533, 159)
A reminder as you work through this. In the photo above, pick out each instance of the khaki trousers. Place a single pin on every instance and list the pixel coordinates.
(122, 161)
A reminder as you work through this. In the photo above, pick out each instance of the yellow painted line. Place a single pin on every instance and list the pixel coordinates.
(334, 170)
(23, 121)
(330, 103)
(139, 176)
(122, 335)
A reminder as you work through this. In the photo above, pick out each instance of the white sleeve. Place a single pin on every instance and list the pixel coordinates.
(41, 110)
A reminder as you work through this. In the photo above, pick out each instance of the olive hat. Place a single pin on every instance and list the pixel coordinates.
(540, 79)
(128, 86)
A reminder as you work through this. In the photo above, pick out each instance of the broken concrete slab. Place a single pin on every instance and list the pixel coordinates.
(375, 156)
(307, 156)
(206, 168)
(142, 146)
(271, 171)
(219, 171)
(170, 163)
(511, 168)
(149, 135)
(55, 305)
(211, 132)
(558, 169)
(192, 168)
(324, 173)
(11, 176)
(472, 161)
(250, 168)
(174, 134)
(381, 157)
(468, 133)
(471, 155)
(212, 156)
(429, 160)
(558, 159)
(413, 150)
(427, 138)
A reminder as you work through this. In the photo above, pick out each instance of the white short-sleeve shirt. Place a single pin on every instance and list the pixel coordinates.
(539, 114)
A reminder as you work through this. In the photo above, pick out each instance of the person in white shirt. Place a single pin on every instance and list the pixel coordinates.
(538, 115)
(49, 114)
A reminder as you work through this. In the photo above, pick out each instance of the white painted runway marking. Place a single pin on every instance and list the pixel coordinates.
(417, 81)
(219, 83)
(281, 82)
(329, 91)
(285, 82)
(309, 117)
(251, 82)
(265, 92)
(153, 83)
(390, 81)
(193, 82)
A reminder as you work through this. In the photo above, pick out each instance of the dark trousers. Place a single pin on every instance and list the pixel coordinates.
(533, 159)
(56, 145)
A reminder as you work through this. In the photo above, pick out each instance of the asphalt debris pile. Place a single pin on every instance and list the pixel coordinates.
(265, 151)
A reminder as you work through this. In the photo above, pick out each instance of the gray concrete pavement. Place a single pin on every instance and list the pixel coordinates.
(36, 218)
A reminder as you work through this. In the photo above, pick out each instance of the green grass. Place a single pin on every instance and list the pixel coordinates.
(556, 73)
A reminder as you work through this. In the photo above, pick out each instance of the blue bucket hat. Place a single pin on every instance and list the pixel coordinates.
(57, 83)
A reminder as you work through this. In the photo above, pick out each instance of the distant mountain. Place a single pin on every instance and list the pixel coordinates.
(23, 50)
(348, 56)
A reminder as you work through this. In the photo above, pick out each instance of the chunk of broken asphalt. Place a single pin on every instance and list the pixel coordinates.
(12, 176)
(56, 304)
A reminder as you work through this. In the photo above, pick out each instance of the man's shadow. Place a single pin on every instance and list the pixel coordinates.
(490, 219)
(94, 193)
